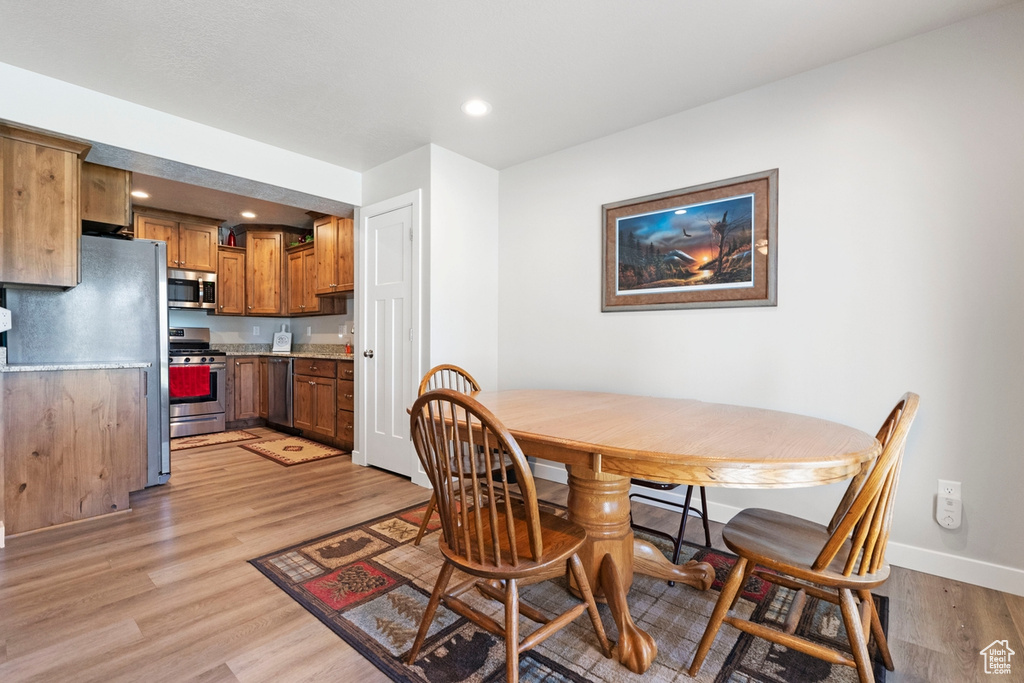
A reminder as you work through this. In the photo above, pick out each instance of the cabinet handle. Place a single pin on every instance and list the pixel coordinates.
(250, 308)
(348, 427)
(349, 396)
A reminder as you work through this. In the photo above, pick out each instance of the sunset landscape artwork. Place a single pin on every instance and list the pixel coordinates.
(701, 246)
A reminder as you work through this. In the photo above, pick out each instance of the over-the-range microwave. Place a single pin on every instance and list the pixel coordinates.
(191, 289)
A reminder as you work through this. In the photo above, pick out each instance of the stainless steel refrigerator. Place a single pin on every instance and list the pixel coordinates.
(117, 313)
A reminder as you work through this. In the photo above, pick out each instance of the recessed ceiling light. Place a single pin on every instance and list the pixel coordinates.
(476, 107)
(248, 214)
(139, 194)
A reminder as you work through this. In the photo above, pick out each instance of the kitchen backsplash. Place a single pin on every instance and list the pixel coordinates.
(314, 349)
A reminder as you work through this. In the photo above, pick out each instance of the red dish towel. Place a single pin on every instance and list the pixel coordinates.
(188, 381)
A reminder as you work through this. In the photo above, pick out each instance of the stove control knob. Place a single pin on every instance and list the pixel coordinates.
(188, 360)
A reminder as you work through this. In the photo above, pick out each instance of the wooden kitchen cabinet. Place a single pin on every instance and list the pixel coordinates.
(72, 444)
(40, 222)
(302, 298)
(230, 281)
(264, 387)
(106, 195)
(265, 273)
(246, 397)
(314, 396)
(346, 422)
(335, 253)
(191, 240)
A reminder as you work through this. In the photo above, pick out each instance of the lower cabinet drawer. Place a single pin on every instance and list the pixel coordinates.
(346, 426)
(315, 367)
(346, 394)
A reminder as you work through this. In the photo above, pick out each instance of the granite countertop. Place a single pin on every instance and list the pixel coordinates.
(50, 367)
(323, 351)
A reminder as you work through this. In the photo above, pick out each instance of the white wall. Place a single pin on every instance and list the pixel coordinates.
(900, 235)
(459, 265)
(35, 100)
(464, 265)
(225, 329)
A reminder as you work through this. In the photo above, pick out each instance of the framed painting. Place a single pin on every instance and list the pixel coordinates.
(707, 246)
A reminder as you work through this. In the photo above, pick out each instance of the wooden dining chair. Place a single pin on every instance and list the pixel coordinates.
(833, 563)
(489, 534)
(442, 377)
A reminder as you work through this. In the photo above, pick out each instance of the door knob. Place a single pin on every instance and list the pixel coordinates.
(368, 353)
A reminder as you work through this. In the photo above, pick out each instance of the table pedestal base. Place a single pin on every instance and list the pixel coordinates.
(599, 503)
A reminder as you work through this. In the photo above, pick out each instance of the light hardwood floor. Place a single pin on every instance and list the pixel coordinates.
(165, 593)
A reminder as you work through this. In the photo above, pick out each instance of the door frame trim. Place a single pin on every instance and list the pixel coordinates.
(413, 199)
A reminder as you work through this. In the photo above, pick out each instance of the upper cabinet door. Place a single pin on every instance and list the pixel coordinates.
(265, 268)
(39, 212)
(296, 282)
(346, 255)
(197, 247)
(325, 237)
(312, 303)
(106, 194)
(231, 281)
(149, 228)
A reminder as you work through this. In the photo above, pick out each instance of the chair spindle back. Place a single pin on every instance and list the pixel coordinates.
(865, 514)
(473, 496)
(448, 377)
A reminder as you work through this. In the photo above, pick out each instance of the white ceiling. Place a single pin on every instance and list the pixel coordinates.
(357, 83)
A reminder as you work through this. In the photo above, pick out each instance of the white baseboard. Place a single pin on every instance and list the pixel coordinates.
(955, 567)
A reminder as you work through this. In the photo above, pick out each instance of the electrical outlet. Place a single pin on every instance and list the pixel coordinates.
(948, 505)
(255, 330)
(309, 330)
(949, 489)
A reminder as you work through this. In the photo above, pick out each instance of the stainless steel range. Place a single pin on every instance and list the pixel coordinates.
(197, 382)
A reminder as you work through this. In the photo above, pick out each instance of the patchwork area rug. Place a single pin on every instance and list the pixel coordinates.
(370, 585)
(293, 450)
(183, 442)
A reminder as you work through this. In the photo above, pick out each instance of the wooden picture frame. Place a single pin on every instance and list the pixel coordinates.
(708, 246)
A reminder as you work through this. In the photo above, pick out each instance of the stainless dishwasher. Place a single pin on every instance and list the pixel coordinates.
(279, 391)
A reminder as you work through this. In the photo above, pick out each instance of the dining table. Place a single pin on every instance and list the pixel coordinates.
(605, 439)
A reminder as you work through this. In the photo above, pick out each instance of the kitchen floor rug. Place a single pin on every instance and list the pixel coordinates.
(369, 585)
(183, 442)
(293, 450)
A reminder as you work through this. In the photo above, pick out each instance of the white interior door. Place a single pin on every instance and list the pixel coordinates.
(387, 335)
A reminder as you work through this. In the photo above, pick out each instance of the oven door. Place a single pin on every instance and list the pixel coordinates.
(207, 399)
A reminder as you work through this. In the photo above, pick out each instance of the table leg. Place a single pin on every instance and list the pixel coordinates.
(650, 561)
(600, 504)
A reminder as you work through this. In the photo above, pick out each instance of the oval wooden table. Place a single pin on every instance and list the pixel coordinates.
(604, 439)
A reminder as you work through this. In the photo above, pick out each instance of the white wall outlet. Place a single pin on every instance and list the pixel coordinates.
(949, 507)
(309, 330)
(949, 489)
(255, 330)
(5, 320)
